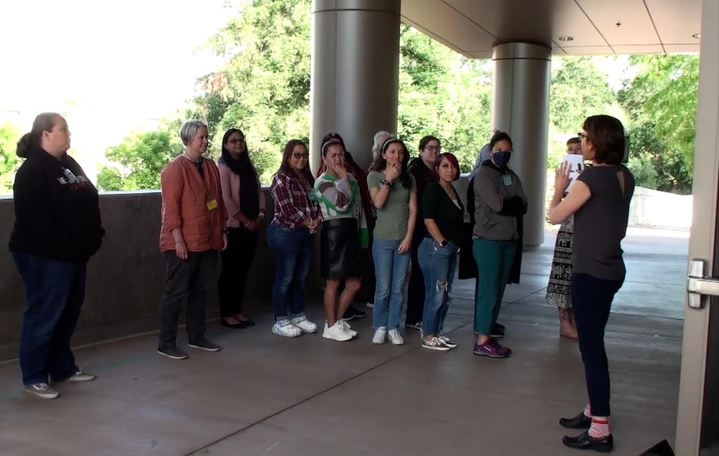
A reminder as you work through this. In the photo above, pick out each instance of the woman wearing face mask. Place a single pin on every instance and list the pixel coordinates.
(192, 234)
(393, 193)
(443, 216)
(559, 289)
(499, 200)
(344, 233)
(57, 229)
(245, 203)
(423, 170)
(291, 236)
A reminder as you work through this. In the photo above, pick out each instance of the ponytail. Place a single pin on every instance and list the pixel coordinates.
(43, 122)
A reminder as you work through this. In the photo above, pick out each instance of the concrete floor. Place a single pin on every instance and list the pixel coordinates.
(265, 395)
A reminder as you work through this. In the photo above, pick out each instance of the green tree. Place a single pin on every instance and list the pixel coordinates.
(661, 102)
(9, 136)
(139, 160)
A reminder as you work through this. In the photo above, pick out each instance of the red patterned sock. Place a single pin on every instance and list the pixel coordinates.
(588, 410)
(599, 428)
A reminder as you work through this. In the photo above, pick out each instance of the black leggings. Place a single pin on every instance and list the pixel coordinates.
(236, 262)
(592, 301)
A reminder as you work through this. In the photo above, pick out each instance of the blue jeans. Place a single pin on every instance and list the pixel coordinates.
(391, 271)
(55, 293)
(438, 265)
(293, 251)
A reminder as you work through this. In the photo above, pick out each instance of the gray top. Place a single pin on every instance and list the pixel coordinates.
(601, 223)
(492, 187)
(393, 217)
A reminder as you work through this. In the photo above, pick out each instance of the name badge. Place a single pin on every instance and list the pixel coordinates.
(212, 205)
(507, 180)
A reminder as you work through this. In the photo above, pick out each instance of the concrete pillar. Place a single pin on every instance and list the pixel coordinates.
(355, 72)
(520, 107)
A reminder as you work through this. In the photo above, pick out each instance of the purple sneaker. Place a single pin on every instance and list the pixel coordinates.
(493, 350)
(501, 348)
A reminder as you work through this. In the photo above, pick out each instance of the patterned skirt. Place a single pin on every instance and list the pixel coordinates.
(559, 290)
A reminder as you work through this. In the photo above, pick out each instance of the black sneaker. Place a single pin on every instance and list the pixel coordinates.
(497, 331)
(204, 344)
(416, 326)
(172, 352)
(353, 313)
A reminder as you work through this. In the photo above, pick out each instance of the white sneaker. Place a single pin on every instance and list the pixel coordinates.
(379, 335)
(286, 329)
(434, 344)
(336, 332)
(370, 305)
(304, 324)
(395, 337)
(446, 341)
(347, 328)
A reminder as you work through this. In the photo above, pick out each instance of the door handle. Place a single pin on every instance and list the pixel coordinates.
(700, 286)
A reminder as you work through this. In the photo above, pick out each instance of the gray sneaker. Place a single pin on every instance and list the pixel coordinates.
(81, 376)
(42, 390)
(204, 344)
(172, 352)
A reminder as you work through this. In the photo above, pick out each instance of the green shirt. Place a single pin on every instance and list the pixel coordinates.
(393, 217)
(438, 206)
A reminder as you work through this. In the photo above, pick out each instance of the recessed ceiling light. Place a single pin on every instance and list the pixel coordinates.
(698, 36)
(566, 38)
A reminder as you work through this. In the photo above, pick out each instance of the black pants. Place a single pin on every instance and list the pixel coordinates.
(415, 294)
(191, 279)
(236, 262)
(592, 300)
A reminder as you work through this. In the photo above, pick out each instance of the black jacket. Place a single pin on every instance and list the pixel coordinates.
(57, 214)
(423, 176)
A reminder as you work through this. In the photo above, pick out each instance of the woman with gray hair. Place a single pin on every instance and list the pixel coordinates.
(192, 234)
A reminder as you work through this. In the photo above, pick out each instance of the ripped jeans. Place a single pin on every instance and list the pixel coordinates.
(438, 265)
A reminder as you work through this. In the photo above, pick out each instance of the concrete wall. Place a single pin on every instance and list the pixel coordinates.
(660, 209)
(125, 279)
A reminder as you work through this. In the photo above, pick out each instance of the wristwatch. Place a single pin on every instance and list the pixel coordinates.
(385, 182)
(444, 243)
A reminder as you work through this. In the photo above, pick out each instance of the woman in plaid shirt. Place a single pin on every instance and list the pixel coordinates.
(291, 236)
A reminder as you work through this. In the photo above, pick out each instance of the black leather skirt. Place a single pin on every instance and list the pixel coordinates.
(340, 249)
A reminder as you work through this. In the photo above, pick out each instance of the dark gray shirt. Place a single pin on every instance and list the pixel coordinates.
(601, 223)
(492, 188)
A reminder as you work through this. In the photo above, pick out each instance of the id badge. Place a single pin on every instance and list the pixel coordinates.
(507, 180)
(212, 205)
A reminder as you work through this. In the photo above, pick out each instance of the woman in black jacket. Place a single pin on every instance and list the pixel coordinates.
(57, 229)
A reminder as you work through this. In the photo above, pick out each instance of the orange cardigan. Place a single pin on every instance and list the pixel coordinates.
(184, 205)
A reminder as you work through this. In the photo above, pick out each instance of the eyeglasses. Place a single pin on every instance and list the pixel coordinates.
(432, 148)
(298, 156)
(581, 135)
(236, 140)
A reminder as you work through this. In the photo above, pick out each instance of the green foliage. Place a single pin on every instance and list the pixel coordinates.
(661, 102)
(140, 159)
(9, 136)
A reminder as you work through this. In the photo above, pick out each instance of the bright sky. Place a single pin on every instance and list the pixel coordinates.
(130, 58)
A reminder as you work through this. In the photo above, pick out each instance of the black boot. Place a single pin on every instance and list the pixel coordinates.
(584, 442)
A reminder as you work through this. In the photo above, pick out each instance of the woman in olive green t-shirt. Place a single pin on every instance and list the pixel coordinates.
(393, 193)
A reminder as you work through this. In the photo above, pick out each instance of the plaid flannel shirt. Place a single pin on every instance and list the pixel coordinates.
(294, 201)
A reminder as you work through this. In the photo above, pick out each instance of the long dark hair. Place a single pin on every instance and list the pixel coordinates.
(287, 154)
(241, 166)
(380, 163)
(43, 122)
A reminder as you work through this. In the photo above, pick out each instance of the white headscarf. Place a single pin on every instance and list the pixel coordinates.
(485, 153)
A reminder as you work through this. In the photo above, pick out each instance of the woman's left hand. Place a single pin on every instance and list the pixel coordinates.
(224, 241)
(405, 246)
(561, 178)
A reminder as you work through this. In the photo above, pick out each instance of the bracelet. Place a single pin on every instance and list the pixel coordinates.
(181, 241)
(262, 215)
(246, 224)
(386, 182)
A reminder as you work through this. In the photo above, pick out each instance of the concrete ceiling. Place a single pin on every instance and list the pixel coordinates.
(472, 27)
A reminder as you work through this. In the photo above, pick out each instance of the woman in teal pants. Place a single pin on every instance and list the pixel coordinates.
(499, 200)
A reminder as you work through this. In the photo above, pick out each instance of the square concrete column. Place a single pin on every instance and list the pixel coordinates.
(520, 107)
(355, 73)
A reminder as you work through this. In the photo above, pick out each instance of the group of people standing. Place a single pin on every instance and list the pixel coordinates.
(407, 214)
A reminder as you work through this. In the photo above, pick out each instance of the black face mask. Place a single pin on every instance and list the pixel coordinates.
(501, 159)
